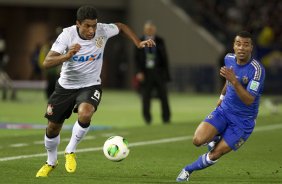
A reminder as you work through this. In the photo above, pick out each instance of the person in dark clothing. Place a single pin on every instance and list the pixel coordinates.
(153, 73)
(51, 74)
(6, 84)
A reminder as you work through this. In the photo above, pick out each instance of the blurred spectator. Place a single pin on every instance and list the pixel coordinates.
(5, 81)
(51, 74)
(262, 18)
(153, 73)
(273, 60)
(36, 69)
(222, 18)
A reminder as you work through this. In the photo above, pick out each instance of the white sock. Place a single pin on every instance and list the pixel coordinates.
(77, 135)
(51, 145)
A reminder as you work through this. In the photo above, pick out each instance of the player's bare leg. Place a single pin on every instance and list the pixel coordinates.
(220, 149)
(204, 133)
(52, 140)
(80, 129)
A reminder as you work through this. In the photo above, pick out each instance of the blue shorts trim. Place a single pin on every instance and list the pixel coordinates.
(234, 129)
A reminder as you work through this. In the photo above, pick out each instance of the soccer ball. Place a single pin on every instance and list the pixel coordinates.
(116, 148)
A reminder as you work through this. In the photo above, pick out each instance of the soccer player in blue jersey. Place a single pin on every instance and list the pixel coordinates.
(235, 116)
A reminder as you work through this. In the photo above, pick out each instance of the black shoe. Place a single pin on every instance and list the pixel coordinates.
(166, 121)
(148, 121)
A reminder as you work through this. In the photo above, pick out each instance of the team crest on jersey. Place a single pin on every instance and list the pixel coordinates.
(245, 80)
(49, 110)
(100, 41)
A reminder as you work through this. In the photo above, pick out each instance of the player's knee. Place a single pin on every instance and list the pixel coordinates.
(53, 130)
(85, 112)
(197, 141)
(85, 116)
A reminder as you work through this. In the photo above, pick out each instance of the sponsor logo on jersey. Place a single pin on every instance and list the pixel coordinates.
(91, 57)
(254, 85)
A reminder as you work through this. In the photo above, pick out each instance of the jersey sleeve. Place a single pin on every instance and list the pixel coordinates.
(111, 30)
(256, 82)
(61, 43)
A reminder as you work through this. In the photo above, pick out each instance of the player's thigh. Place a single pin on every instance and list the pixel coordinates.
(218, 120)
(91, 95)
(215, 123)
(204, 133)
(236, 136)
(60, 105)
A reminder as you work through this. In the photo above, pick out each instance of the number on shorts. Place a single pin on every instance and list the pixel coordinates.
(96, 95)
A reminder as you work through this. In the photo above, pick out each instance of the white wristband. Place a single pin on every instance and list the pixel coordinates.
(221, 97)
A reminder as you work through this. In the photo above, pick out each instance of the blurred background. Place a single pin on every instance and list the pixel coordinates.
(198, 33)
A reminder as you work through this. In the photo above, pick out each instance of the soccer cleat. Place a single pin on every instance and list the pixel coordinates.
(183, 176)
(45, 170)
(70, 162)
(211, 145)
(214, 142)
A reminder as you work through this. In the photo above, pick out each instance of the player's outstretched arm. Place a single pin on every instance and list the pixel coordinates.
(134, 38)
(243, 94)
(54, 58)
(223, 92)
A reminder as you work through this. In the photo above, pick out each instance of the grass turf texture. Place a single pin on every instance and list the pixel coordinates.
(258, 161)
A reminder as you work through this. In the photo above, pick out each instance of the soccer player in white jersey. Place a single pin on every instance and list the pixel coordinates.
(80, 50)
(234, 118)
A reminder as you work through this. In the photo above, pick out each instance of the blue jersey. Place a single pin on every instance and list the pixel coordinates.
(251, 76)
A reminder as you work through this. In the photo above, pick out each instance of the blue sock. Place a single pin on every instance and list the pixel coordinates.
(201, 163)
(216, 138)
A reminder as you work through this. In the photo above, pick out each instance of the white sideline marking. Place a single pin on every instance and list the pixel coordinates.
(67, 139)
(267, 127)
(18, 145)
(142, 143)
(174, 139)
(38, 142)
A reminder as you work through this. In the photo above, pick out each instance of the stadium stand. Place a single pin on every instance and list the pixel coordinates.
(262, 18)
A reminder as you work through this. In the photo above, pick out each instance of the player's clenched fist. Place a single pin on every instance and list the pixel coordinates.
(73, 50)
(228, 74)
(147, 43)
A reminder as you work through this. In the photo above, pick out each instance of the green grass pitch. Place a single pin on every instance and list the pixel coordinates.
(157, 152)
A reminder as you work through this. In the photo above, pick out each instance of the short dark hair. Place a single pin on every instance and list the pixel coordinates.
(86, 12)
(245, 34)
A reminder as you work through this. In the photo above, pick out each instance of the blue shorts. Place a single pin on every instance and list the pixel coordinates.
(234, 129)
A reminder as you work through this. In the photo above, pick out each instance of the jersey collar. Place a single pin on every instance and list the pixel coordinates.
(77, 30)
